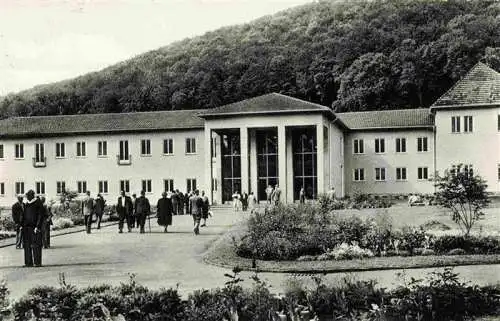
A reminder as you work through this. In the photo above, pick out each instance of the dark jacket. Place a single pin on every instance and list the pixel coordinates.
(142, 206)
(33, 214)
(164, 211)
(17, 212)
(124, 210)
(99, 206)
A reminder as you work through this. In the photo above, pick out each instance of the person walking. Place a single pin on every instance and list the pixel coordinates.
(302, 195)
(244, 201)
(196, 204)
(100, 203)
(133, 219)
(17, 212)
(142, 210)
(276, 196)
(269, 193)
(164, 209)
(31, 223)
(205, 208)
(88, 211)
(252, 202)
(47, 222)
(124, 209)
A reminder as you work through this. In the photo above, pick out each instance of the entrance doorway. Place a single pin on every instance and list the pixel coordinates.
(267, 160)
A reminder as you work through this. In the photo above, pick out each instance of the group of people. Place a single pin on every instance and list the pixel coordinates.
(32, 218)
(243, 201)
(273, 194)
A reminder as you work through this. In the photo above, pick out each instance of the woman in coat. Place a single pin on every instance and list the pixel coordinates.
(164, 211)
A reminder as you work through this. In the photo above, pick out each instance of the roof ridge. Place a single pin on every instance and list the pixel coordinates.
(93, 114)
(379, 111)
(301, 100)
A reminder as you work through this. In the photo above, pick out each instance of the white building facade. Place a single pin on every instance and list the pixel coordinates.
(248, 145)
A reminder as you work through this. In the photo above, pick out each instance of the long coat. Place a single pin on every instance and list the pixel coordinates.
(164, 211)
(124, 211)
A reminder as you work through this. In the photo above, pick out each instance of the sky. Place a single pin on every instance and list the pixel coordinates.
(43, 41)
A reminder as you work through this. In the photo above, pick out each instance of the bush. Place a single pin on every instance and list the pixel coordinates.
(345, 252)
(7, 223)
(471, 244)
(456, 252)
(60, 223)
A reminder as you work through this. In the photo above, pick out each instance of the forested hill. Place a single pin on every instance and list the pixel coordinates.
(352, 56)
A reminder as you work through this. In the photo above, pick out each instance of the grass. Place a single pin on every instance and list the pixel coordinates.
(222, 253)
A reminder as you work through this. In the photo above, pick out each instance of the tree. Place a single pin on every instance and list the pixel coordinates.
(464, 194)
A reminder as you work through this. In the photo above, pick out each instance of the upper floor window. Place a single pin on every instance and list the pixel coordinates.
(1, 151)
(2, 189)
(123, 152)
(147, 186)
(455, 124)
(190, 145)
(40, 188)
(422, 173)
(379, 145)
(19, 188)
(19, 151)
(102, 148)
(39, 153)
(468, 128)
(401, 173)
(82, 187)
(60, 150)
(145, 147)
(102, 187)
(422, 144)
(359, 174)
(400, 145)
(379, 173)
(359, 146)
(81, 150)
(168, 146)
(125, 186)
(60, 187)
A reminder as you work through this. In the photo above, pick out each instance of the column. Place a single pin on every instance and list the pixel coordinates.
(244, 159)
(253, 162)
(282, 162)
(208, 164)
(320, 155)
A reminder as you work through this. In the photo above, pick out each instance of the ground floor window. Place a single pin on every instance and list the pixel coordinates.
(2, 189)
(359, 174)
(147, 186)
(168, 185)
(103, 187)
(422, 173)
(125, 186)
(401, 174)
(40, 188)
(190, 184)
(305, 162)
(82, 187)
(60, 187)
(19, 188)
(379, 174)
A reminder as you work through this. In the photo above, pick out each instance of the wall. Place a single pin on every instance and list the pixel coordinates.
(390, 160)
(481, 148)
(92, 168)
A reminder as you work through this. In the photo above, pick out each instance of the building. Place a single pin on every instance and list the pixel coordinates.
(248, 145)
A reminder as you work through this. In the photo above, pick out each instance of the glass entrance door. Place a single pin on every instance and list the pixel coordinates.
(267, 161)
(231, 165)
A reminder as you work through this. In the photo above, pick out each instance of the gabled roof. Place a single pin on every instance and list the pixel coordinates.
(388, 119)
(480, 87)
(99, 123)
(273, 103)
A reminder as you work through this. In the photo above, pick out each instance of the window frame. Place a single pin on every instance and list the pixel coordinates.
(191, 143)
(468, 122)
(60, 187)
(420, 144)
(145, 148)
(380, 145)
(126, 185)
(381, 170)
(360, 173)
(81, 187)
(189, 183)
(147, 186)
(358, 146)
(168, 182)
(455, 124)
(19, 151)
(101, 185)
(2, 152)
(40, 188)
(60, 150)
(2, 189)
(399, 174)
(102, 148)
(81, 148)
(168, 142)
(420, 173)
(19, 188)
(401, 145)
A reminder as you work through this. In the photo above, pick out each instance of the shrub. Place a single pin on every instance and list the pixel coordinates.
(60, 223)
(7, 223)
(456, 252)
(346, 252)
(471, 244)
(413, 238)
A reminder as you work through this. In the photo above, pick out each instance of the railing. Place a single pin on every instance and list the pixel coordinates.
(124, 160)
(39, 162)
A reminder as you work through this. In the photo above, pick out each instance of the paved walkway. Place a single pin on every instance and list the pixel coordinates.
(161, 260)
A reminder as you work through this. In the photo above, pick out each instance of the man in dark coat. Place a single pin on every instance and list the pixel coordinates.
(99, 209)
(142, 210)
(175, 202)
(17, 212)
(47, 222)
(31, 222)
(124, 210)
(180, 206)
(164, 211)
(205, 208)
(196, 206)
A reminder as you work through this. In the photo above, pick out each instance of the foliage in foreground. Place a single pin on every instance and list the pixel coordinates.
(442, 296)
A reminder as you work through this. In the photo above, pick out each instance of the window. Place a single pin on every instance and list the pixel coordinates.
(190, 145)
(401, 173)
(468, 124)
(125, 186)
(124, 155)
(80, 149)
(60, 187)
(39, 153)
(147, 186)
(102, 187)
(102, 148)
(359, 174)
(400, 145)
(379, 173)
(168, 185)
(455, 124)
(423, 173)
(1, 151)
(422, 144)
(168, 146)
(379, 145)
(359, 146)
(191, 184)
(145, 147)
(82, 187)
(19, 148)
(60, 150)
(2, 189)
(19, 188)
(40, 188)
